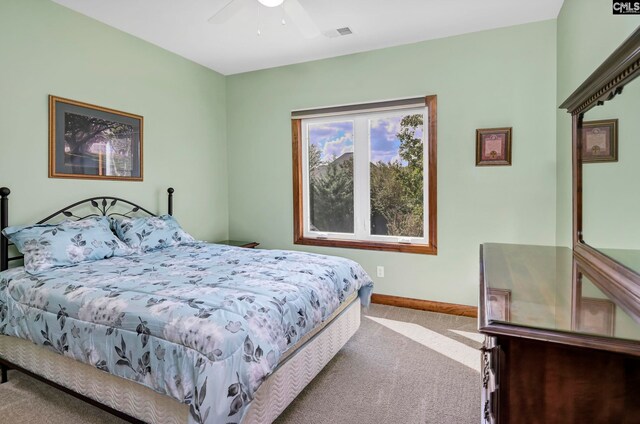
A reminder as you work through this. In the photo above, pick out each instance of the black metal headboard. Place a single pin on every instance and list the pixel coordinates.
(101, 204)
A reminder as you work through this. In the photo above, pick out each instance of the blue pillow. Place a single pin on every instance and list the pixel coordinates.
(47, 246)
(151, 233)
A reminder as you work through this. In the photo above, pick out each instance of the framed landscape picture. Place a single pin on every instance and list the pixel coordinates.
(87, 141)
(600, 141)
(493, 147)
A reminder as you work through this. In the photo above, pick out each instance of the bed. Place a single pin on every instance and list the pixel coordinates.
(196, 332)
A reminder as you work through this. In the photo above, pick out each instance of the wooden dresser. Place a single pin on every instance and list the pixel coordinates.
(562, 325)
(558, 347)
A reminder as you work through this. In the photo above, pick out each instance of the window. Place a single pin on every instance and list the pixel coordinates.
(365, 176)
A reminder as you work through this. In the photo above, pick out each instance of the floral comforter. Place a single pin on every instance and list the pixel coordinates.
(202, 323)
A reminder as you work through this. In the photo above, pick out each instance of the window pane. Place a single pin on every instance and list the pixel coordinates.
(397, 167)
(331, 177)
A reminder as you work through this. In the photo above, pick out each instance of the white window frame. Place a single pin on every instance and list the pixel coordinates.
(362, 175)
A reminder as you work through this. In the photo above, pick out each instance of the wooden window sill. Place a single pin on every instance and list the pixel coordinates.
(369, 245)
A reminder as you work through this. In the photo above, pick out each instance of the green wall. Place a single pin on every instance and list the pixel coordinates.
(503, 77)
(224, 143)
(48, 49)
(587, 34)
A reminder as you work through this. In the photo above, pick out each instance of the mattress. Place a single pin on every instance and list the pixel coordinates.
(273, 396)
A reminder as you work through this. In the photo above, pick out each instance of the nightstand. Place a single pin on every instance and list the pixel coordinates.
(237, 243)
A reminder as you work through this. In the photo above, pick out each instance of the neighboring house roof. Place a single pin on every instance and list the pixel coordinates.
(344, 157)
(322, 170)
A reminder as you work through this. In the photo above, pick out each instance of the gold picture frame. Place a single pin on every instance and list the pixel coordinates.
(493, 146)
(93, 142)
(599, 141)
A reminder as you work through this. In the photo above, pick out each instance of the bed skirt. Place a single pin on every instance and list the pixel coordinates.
(140, 402)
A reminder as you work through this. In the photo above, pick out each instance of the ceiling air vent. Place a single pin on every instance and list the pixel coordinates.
(334, 33)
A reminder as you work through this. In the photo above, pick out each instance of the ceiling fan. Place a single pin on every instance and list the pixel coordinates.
(291, 8)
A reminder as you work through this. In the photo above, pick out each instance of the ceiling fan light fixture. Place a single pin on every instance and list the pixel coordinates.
(271, 3)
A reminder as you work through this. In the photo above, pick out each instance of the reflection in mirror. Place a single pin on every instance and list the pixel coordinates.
(594, 313)
(545, 287)
(610, 137)
(499, 304)
(528, 285)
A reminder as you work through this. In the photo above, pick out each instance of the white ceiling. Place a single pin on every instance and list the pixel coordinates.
(181, 26)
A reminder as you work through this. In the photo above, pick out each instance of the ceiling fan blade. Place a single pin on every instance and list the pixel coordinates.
(229, 10)
(301, 18)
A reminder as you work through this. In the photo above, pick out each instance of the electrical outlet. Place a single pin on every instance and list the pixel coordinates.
(380, 271)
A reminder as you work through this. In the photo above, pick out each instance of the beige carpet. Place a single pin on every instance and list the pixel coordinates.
(402, 366)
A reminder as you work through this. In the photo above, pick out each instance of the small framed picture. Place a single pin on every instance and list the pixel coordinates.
(493, 147)
(88, 141)
(600, 141)
(596, 316)
(499, 304)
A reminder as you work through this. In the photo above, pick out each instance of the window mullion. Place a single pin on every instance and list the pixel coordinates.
(359, 176)
(306, 208)
(366, 181)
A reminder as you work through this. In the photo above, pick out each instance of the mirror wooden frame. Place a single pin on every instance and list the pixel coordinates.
(608, 81)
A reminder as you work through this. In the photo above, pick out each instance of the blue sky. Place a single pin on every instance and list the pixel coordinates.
(384, 143)
(332, 138)
(336, 138)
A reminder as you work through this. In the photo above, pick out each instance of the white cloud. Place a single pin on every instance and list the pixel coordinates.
(386, 127)
(336, 148)
(326, 131)
(392, 128)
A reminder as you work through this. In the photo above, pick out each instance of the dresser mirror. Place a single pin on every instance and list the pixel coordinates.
(610, 160)
(606, 170)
